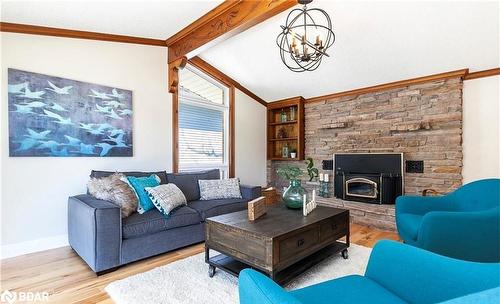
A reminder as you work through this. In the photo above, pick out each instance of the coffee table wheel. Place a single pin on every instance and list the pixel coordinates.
(345, 254)
(211, 271)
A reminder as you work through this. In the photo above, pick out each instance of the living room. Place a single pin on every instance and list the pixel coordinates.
(275, 151)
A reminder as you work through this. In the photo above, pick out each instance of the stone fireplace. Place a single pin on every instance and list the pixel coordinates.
(423, 122)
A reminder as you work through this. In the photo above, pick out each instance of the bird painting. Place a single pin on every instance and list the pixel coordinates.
(99, 95)
(58, 90)
(32, 95)
(17, 88)
(57, 117)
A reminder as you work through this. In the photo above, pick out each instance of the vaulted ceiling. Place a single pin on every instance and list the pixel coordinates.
(376, 42)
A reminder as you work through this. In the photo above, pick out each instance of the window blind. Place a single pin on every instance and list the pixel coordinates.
(201, 136)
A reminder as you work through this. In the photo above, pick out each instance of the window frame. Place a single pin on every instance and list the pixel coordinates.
(207, 72)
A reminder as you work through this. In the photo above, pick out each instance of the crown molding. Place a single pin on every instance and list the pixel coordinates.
(67, 33)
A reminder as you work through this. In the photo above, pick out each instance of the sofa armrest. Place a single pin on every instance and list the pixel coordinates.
(463, 235)
(250, 192)
(422, 204)
(420, 276)
(94, 231)
(254, 287)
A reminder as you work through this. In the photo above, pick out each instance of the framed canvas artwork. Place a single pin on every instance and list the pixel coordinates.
(52, 116)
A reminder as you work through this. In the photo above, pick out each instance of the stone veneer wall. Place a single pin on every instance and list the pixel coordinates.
(422, 121)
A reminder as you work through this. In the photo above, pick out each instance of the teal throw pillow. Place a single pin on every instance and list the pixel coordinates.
(139, 184)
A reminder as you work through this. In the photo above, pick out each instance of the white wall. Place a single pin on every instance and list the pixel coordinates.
(35, 190)
(250, 140)
(481, 128)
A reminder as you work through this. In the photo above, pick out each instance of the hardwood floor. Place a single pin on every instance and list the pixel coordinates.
(69, 280)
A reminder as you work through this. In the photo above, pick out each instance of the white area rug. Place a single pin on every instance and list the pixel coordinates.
(187, 281)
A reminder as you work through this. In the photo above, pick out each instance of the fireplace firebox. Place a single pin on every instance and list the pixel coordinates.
(368, 177)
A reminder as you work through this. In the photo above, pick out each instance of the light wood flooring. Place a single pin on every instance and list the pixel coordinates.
(69, 280)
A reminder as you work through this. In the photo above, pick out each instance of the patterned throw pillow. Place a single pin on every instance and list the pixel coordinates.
(166, 197)
(219, 189)
(139, 184)
(113, 189)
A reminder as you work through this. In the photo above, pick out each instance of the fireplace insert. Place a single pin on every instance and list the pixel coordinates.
(368, 177)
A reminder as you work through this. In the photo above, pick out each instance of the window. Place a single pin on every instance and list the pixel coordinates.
(203, 122)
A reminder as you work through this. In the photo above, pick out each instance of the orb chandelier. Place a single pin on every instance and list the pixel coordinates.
(305, 38)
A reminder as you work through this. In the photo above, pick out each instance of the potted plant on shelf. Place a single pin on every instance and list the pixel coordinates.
(294, 195)
(293, 153)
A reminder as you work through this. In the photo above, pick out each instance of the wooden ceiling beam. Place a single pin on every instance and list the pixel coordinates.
(224, 21)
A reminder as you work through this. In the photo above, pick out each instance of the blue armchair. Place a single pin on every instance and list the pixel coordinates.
(464, 224)
(396, 273)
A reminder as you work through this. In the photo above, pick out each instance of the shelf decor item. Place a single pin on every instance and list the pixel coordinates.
(293, 153)
(283, 115)
(284, 152)
(292, 113)
(305, 38)
(293, 195)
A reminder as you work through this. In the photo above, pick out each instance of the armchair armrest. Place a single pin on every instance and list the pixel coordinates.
(463, 235)
(254, 287)
(250, 192)
(94, 231)
(420, 276)
(423, 204)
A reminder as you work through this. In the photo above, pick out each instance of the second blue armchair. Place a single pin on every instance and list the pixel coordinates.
(464, 224)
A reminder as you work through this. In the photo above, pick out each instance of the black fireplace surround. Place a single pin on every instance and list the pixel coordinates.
(375, 178)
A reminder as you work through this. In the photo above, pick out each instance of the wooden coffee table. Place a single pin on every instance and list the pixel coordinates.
(281, 244)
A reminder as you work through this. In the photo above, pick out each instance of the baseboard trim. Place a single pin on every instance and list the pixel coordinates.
(17, 249)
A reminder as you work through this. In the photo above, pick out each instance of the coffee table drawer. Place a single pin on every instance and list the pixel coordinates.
(299, 242)
(235, 242)
(334, 227)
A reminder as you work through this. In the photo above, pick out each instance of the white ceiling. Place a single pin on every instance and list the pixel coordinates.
(376, 42)
(149, 18)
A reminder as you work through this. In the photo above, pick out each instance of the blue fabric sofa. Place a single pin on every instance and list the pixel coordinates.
(396, 273)
(105, 241)
(464, 224)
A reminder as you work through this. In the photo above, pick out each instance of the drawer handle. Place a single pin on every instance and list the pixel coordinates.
(334, 226)
(300, 242)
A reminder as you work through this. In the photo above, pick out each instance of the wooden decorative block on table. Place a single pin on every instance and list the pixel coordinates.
(257, 208)
(271, 195)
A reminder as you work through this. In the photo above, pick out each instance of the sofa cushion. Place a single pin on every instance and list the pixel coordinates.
(112, 188)
(350, 289)
(188, 182)
(409, 224)
(139, 185)
(161, 174)
(217, 207)
(219, 189)
(153, 221)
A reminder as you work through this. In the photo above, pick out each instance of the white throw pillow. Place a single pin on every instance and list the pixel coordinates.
(166, 197)
(219, 189)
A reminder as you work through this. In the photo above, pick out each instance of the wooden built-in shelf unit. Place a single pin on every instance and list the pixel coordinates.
(289, 132)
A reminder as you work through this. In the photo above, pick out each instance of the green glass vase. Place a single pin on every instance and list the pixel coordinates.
(293, 197)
